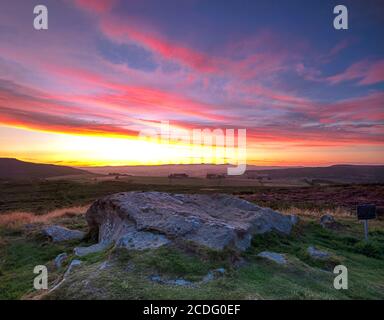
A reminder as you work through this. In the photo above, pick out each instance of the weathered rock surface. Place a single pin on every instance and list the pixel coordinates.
(318, 254)
(58, 233)
(172, 282)
(105, 265)
(83, 251)
(327, 221)
(279, 258)
(60, 259)
(74, 264)
(213, 274)
(140, 240)
(141, 220)
(294, 219)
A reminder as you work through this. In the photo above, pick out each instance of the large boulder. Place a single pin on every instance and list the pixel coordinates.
(140, 220)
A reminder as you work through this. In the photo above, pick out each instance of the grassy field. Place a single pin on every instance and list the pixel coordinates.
(43, 196)
(247, 276)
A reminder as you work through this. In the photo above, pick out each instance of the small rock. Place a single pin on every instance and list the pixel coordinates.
(73, 264)
(213, 274)
(209, 277)
(326, 219)
(58, 233)
(156, 278)
(317, 254)
(104, 265)
(329, 222)
(219, 271)
(294, 219)
(60, 259)
(273, 256)
(83, 251)
(173, 282)
(180, 282)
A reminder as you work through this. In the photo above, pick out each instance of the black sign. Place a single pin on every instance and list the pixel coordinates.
(366, 212)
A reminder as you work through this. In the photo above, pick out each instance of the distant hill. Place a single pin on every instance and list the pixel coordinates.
(193, 170)
(337, 173)
(13, 169)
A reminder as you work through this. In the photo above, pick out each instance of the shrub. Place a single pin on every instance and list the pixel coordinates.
(369, 248)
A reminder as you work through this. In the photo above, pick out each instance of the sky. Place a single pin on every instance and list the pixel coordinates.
(84, 91)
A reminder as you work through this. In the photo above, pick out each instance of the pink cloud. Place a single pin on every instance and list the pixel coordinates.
(153, 102)
(366, 108)
(340, 46)
(123, 32)
(375, 73)
(253, 63)
(367, 72)
(335, 50)
(102, 91)
(308, 73)
(95, 6)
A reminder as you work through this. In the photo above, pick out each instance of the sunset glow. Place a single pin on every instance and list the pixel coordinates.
(81, 92)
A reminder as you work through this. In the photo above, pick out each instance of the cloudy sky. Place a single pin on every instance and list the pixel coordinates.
(80, 92)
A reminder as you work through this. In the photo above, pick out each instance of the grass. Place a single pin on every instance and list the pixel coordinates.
(127, 276)
(173, 263)
(257, 279)
(365, 267)
(22, 248)
(40, 197)
(18, 258)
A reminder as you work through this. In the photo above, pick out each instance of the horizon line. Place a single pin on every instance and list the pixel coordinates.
(58, 163)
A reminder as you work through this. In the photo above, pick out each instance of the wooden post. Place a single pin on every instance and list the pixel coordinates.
(366, 230)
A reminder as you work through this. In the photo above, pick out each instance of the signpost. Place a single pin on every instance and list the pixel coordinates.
(366, 212)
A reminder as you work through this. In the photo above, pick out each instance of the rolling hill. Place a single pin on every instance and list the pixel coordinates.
(13, 169)
(337, 173)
